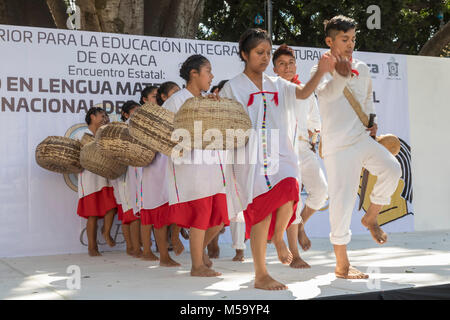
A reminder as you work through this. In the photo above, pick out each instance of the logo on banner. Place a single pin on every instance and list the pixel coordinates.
(393, 68)
(398, 208)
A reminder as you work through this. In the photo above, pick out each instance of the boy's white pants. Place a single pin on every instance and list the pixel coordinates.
(344, 172)
(312, 178)
(237, 234)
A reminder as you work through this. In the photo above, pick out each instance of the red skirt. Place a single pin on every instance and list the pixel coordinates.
(129, 217)
(158, 217)
(201, 213)
(119, 212)
(267, 203)
(97, 204)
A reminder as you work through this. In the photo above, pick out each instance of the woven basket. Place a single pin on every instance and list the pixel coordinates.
(220, 114)
(86, 138)
(390, 142)
(94, 161)
(115, 141)
(153, 126)
(59, 154)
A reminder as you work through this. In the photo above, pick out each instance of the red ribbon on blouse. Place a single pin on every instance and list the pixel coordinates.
(354, 71)
(252, 97)
(295, 80)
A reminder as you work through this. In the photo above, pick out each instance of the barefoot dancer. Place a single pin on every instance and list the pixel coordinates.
(129, 186)
(196, 189)
(347, 145)
(307, 120)
(237, 228)
(155, 211)
(164, 92)
(96, 195)
(268, 191)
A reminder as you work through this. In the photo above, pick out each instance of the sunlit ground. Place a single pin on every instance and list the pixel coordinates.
(408, 260)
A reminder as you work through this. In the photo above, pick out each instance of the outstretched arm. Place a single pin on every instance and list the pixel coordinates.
(326, 64)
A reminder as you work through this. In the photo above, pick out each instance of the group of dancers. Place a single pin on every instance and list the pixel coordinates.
(257, 202)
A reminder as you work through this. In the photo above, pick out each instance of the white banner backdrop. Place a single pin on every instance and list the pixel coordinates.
(49, 78)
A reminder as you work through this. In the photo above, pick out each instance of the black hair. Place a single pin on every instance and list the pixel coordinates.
(338, 23)
(218, 86)
(194, 62)
(221, 84)
(284, 49)
(146, 92)
(164, 88)
(92, 111)
(126, 108)
(250, 40)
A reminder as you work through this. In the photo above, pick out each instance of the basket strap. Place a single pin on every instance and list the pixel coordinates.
(356, 106)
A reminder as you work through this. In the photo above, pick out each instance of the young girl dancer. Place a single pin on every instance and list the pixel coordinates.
(268, 191)
(96, 195)
(196, 190)
(128, 193)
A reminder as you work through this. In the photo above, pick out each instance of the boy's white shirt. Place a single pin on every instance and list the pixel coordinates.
(341, 126)
(247, 181)
(193, 181)
(307, 117)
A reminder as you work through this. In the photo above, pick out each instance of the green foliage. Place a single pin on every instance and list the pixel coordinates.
(405, 24)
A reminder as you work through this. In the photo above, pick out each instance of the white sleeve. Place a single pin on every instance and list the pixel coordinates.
(226, 91)
(171, 104)
(330, 89)
(314, 123)
(368, 101)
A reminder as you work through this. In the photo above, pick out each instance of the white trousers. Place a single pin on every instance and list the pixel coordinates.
(313, 179)
(237, 235)
(344, 172)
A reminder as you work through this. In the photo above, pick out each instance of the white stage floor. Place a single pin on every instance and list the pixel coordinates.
(407, 260)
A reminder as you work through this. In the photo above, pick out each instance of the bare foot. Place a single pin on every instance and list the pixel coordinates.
(239, 255)
(268, 283)
(178, 247)
(108, 238)
(303, 239)
(208, 263)
(148, 256)
(137, 253)
(377, 233)
(204, 271)
(94, 252)
(129, 251)
(284, 255)
(299, 263)
(213, 250)
(169, 263)
(349, 273)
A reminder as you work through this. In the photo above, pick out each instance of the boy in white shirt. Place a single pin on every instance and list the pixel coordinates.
(306, 121)
(348, 145)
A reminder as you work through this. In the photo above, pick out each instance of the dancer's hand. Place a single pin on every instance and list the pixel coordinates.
(373, 130)
(326, 63)
(343, 66)
(213, 96)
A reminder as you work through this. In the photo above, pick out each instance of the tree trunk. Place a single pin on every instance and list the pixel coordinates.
(25, 13)
(173, 18)
(121, 16)
(132, 13)
(155, 12)
(437, 43)
(89, 17)
(58, 10)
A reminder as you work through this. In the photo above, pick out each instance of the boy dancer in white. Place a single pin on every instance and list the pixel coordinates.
(307, 121)
(348, 146)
